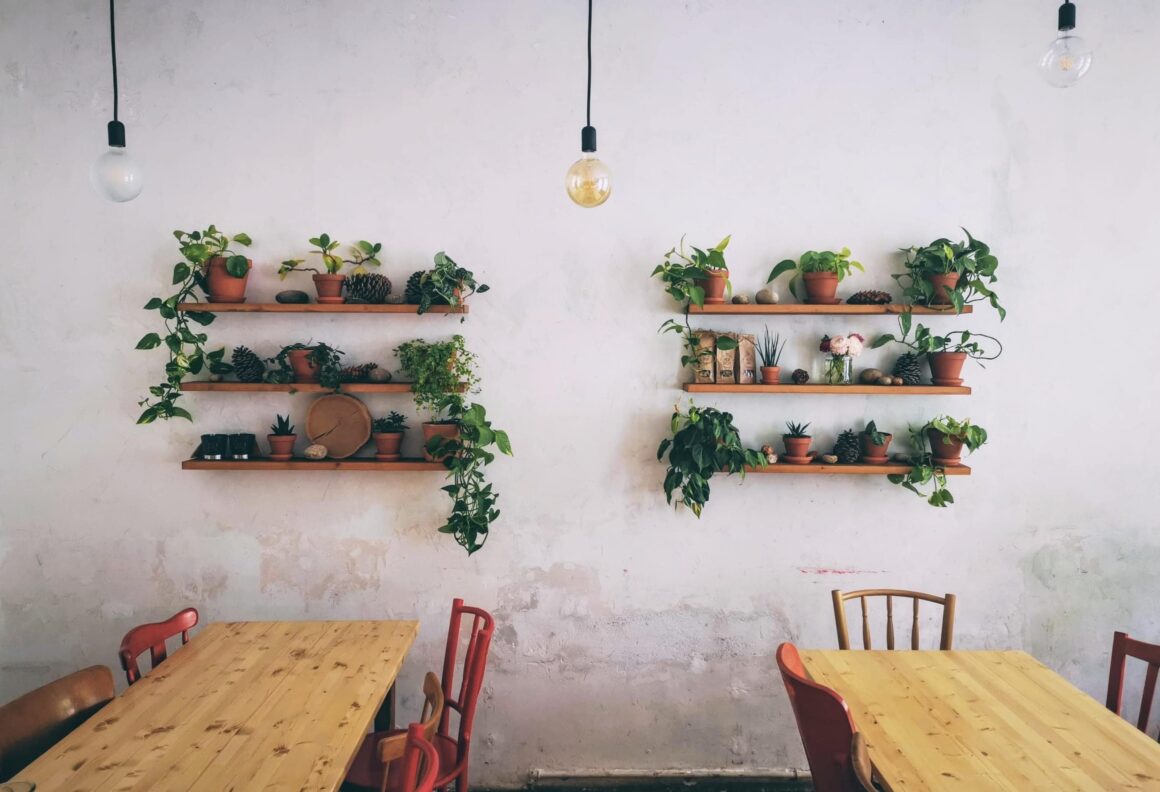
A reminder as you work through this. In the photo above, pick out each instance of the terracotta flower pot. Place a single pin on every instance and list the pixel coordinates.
(945, 367)
(281, 446)
(447, 430)
(714, 286)
(221, 285)
(770, 375)
(387, 446)
(821, 287)
(947, 451)
(941, 283)
(329, 288)
(872, 452)
(797, 446)
(303, 365)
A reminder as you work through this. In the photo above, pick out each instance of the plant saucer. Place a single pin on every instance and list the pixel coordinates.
(798, 460)
(940, 462)
(871, 460)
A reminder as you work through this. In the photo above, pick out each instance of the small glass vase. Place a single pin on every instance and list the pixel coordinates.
(837, 370)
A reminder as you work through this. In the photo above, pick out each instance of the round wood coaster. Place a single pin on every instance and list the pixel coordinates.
(339, 422)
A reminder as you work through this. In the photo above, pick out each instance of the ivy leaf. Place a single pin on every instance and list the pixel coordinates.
(153, 304)
(149, 341)
(502, 442)
(180, 272)
(243, 239)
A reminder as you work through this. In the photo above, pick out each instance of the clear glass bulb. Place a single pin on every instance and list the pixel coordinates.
(117, 176)
(1066, 61)
(588, 181)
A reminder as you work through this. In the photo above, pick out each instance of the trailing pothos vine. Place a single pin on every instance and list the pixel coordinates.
(187, 352)
(683, 275)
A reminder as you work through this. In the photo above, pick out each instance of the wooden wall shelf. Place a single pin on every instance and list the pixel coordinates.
(798, 309)
(844, 390)
(343, 308)
(821, 469)
(294, 387)
(352, 463)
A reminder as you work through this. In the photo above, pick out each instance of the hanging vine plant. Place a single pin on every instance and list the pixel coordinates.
(186, 346)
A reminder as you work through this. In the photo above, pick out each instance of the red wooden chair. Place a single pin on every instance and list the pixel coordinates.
(419, 763)
(824, 723)
(153, 637)
(1124, 647)
(454, 752)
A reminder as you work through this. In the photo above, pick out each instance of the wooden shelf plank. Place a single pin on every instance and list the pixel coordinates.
(846, 390)
(843, 309)
(294, 387)
(352, 463)
(343, 308)
(820, 469)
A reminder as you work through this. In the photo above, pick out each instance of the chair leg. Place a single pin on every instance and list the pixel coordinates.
(385, 717)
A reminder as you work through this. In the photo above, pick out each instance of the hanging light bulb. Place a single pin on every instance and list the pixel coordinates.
(1069, 57)
(588, 181)
(115, 174)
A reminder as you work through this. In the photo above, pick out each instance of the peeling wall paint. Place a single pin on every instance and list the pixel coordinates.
(629, 637)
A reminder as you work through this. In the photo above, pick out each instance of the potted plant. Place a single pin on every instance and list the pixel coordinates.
(466, 454)
(440, 372)
(797, 443)
(704, 442)
(841, 350)
(769, 349)
(446, 284)
(183, 340)
(308, 363)
(820, 272)
(328, 284)
(875, 445)
(947, 437)
(281, 439)
(945, 354)
(388, 435)
(699, 278)
(222, 272)
(951, 274)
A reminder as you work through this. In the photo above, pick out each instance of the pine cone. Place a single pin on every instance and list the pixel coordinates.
(908, 369)
(248, 366)
(359, 373)
(368, 287)
(800, 377)
(870, 297)
(848, 448)
(411, 292)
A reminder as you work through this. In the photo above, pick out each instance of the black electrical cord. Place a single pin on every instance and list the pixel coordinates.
(588, 111)
(113, 50)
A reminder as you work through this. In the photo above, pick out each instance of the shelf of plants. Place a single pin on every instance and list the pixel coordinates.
(299, 387)
(342, 308)
(805, 309)
(849, 470)
(356, 464)
(847, 390)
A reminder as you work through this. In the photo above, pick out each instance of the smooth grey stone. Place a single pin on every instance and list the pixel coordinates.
(292, 297)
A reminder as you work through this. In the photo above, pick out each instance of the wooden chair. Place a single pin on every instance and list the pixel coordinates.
(1124, 647)
(36, 721)
(375, 766)
(824, 722)
(840, 598)
(153, 637)
(454, 752)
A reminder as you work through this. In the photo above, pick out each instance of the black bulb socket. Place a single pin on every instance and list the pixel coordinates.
(1067, 16)
(116, 134)
(588, 139)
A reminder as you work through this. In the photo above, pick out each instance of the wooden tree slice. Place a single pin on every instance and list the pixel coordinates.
(341, 423)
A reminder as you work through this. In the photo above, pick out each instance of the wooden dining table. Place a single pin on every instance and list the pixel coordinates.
(242, 706)
(954, 720)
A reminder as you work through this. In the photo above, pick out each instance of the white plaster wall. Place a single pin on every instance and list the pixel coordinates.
(631, 636)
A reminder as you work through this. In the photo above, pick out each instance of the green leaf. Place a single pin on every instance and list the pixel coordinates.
(237, 266)
(243, 239)
(781, 268)
(726, 343)
(180, 273)
(153, 304)
(149, 341)
(502, 442)
(200, 317)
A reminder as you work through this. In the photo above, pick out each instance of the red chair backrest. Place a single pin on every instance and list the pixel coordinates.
(152, 637)
(1124, 647)
(465, 699)
(420, 762)
(824, 723)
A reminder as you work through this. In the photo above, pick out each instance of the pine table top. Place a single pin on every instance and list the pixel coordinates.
(242, 706)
